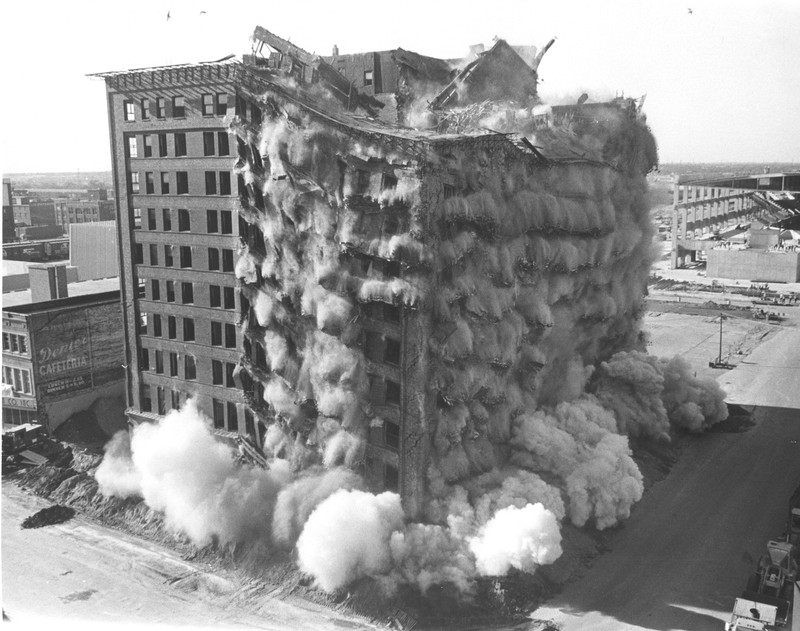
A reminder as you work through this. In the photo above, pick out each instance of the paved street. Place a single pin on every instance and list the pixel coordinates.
(685, 553)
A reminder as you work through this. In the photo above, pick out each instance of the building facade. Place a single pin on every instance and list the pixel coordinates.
(178, 233)
(60, 356)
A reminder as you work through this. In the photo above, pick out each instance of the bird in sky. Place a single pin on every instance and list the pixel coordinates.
(202, 12)
(168, 16)
(690, 11)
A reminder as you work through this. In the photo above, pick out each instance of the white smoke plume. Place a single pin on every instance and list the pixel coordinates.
(347, 537)
(523, 538)
(117, 474)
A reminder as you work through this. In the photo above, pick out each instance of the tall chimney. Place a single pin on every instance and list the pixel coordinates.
(335, 50)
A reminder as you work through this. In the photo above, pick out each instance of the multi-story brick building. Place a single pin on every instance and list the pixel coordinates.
(91, 207)
(178, 230)
(377, 296)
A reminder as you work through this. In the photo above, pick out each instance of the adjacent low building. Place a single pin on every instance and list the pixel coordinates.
(60, 356)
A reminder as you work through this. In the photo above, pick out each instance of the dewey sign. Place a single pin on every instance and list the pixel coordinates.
(76, 349)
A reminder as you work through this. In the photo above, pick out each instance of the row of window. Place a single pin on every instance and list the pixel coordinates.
(228, 340)
(181, 183)
(212, 104)
(218, 297)
(18, 378)
(167, 363)
(380, 348)
(215, 143)
(219, 259)
(13, 343)
(217, 221)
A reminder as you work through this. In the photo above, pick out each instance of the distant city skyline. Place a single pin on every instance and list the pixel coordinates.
(721, 80)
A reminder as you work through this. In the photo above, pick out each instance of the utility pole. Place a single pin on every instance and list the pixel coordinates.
(719, 359)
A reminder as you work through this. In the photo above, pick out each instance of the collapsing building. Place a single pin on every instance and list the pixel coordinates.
(412, 291)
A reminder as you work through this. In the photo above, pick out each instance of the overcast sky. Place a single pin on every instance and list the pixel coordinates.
(722, 77)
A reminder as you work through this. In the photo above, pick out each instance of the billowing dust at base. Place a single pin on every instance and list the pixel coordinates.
(445, 292)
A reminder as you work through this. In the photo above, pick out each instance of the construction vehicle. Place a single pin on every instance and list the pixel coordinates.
(773, 582)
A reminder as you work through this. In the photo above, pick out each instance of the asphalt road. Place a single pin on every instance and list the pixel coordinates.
(685, 554)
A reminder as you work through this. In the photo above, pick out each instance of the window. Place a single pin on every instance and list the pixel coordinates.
(170, 291)
(211, 183)
(148, 146)
(255, 113)
(184, 223)
(230, 336)
(230, 302)
(249, 424)
(166, 218)
(168, 260)
(208, 105)
(215, 295)
(180, 144)
(161, 107)
(156, 325)
(147, 404)
(261, 357)
(176, 399)
(391, 313)
(153, 254)
(213, 259)
(449, 190)
(224, 183)
(159, 362)
(218, 413)
(223, 144)
(139, 250)
(362, 181)
(162, 403)
(162, 145)
(208, 143)
(226, 217)
(134, 182)
(222, 104)
(188, 330)
(149, 186)
(389, 182)
(189, 367)
(229, 370)
(216, 334)
(391, 478)
(130, 111)
(240, 107)
(145, 109)
(211, 221)
(216, 372)
(178, 107)
(391, 434)
(172, 327)
(187, 293)
(133, 147)
(392, 392)
(151, 218)
(186, 256)
(173, 364)
(233, 417)
(391, 354)
(144, 361)
(182, 178)
(227, 260)
(155, 290)
(164, 183)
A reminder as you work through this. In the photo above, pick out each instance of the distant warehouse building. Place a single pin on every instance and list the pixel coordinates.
(61, 356)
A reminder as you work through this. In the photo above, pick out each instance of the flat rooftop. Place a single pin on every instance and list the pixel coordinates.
(79, 293)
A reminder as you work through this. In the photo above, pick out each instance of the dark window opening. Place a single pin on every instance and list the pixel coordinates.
(211, 183)
(389, 182)
(230, 336)
(187, 293)
(213, 259)
(153, 254)
(188, 330)
(186, 256)
(151, 218)
(172, 327)
(223, 144)
(372, 345)
(148, 146)
(233, 417)
(147, 402)
(159, 362)
(211, 221)
(170, 291)
(156, 325)
(224, 183)
(219, 413)
(216, 372)
(182, 178)
(208, 143)
(216, 334)
(222, 104)
(144, 360)
(180, 144)
(226, 217)
(391, 354)
(391, 434)
(449, 190)
(229, 370)
(162, 145)
(391, 479)
(155, 290)
(227, 260)
(230, 301)
(189, 367)
(164, 183)
(139, 253)
(166, 217)
(149, 185)
(168, 260)
(184, 222)
(392, 392)
(173, 364)
(215, 296)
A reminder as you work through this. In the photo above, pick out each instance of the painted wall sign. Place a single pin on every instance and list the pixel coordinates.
(19, 402)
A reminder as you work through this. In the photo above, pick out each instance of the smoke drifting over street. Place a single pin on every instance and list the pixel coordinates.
(521, 281)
